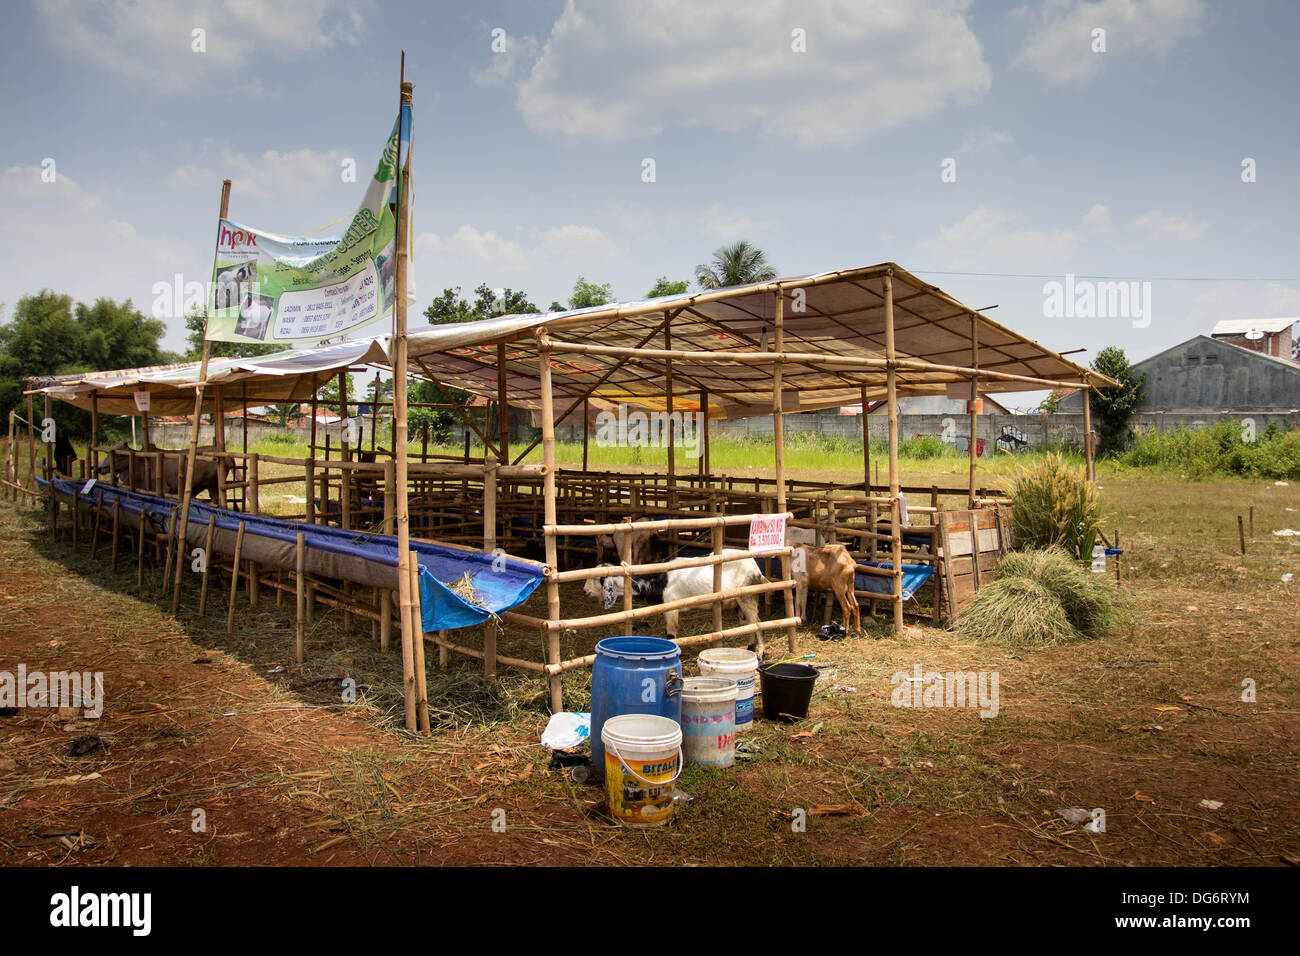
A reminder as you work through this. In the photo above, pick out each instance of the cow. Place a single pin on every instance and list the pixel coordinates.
(173, 470)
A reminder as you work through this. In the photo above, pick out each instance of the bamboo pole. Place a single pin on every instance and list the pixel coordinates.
(489, 547)
(866, 444)
(503, 405)
(1091, 466)
(704, 439)
(672, 437)
(11, 460)
(421, 685)
(548, 512)
(778, 435)
(93, 453)
(207, 564)
(386, 594)
(398, 361)
(974, 403)
(194, 429)
(31, 443)
(219, 441)
(821, 360)
(117, 517)
(895, 522)
(139, 558)
(300, 637)
(234, 579)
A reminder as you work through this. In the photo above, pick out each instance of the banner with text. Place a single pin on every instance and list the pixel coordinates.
(302, 290)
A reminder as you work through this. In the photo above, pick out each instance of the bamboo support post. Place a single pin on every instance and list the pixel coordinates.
(778, 436)
(300, 637)
(117, 517)
(234, 579)
(896, 530)
(421, 681)
(207, 564)
(549, 518)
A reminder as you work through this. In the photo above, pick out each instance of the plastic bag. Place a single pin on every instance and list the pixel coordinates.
(566, 730)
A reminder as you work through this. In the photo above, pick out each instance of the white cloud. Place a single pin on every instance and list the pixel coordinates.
(996, 241)
(71, 243)
(1098, 219)
(611, 71)
(508, 64)
(1161, 227)
(984, 142)
(724, 223)
(531, 262)
(1242, 300)
(300, 173)
(150, 41)
(1059, 46)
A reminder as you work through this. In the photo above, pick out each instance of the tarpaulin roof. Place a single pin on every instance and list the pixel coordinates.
(289, 376)
(826, 317)
(835, 314)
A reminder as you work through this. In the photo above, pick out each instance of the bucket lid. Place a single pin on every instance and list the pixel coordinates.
(641, 730)
(729, 657)
(709, 689)
(638, 648)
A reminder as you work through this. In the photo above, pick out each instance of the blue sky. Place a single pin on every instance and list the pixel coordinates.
(528, 161)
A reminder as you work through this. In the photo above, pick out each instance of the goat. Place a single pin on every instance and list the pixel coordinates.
(649, 587)
(692, 582)
(644, 546)
(828, 568)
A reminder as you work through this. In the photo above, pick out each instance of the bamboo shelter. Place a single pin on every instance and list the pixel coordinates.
(875, 333)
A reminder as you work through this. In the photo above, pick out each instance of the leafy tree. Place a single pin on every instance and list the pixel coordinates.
(557, 307)
(586, 294)
(49, 335)
(1052, 403)
(1113, 407)
(663, 286)
(511, 302)
(739, 263)
(451, 306)
(194, 326)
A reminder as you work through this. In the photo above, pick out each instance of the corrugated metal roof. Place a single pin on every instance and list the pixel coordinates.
(1242, 326)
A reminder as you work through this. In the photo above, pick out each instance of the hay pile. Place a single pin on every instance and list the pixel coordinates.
(1042, 598)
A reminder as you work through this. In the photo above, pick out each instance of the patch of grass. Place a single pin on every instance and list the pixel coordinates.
(1018, 611)
(1054, 505)
(1090, 602)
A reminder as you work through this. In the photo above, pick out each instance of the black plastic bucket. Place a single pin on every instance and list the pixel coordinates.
(787, 689)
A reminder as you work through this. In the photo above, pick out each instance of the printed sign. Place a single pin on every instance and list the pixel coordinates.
(766, 533)
(142, 401)
(302, 290)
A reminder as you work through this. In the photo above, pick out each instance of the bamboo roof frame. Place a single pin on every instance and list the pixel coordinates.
(834, 349)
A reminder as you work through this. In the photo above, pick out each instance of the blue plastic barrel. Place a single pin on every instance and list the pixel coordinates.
(633, 675)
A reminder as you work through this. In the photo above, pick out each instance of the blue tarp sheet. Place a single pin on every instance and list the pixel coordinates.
(501, 582)
(914, 575)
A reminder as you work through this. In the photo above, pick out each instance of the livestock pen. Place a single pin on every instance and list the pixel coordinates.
(797, 344)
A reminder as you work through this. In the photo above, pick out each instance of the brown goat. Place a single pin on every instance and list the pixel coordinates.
(829, 568)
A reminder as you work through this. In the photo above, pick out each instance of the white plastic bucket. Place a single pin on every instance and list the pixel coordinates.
(643, 759)
(709, 721)
(742, 667)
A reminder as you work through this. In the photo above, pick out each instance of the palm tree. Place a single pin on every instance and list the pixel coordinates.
(737, 264)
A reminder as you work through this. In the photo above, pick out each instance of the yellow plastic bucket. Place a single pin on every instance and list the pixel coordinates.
(643, 759)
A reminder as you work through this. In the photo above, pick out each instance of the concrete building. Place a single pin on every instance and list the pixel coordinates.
(1273, 337)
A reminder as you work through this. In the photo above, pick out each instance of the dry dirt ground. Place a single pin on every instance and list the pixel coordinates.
(201, 727)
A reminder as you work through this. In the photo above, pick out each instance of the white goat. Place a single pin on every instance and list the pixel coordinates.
(692, 582)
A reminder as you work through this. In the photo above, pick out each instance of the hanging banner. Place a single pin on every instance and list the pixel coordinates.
(303, 290)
